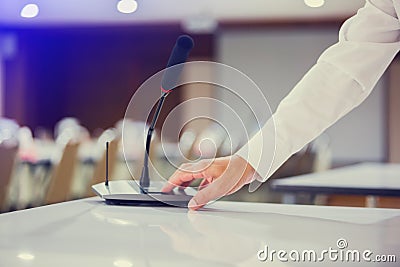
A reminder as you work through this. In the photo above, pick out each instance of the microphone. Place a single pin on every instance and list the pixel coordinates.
(179, 54)
(123, 192)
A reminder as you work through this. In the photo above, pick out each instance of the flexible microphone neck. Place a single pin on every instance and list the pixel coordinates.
(179, 54)
(144, 177)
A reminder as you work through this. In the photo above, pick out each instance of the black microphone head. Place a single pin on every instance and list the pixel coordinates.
(181, 50)
(179, 54)
(185, 41)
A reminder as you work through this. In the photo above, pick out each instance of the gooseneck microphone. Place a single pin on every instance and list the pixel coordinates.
(179, 54)
(127, 192)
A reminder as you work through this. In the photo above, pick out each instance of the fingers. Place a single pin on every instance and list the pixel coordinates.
(214, 190)
(177, 179)
(185, 184)
(226, 182)
(205, 182)
(185, 175)
(218, 179)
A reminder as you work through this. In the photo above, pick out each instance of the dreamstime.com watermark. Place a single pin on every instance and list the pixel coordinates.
(341, 253)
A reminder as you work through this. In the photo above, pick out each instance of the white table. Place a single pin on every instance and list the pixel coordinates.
(368, 179)
(89, 233)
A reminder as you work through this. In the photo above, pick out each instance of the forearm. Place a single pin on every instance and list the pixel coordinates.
(319, 99)
(341, 79)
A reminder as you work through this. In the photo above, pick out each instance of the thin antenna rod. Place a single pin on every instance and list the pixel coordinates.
(106, 183)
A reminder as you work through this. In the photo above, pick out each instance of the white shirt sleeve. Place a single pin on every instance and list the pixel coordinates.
(342, 78)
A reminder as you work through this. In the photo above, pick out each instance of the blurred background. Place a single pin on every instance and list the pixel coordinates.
(68, 70)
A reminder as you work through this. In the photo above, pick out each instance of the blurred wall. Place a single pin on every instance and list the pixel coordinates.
(86, 72)
(1, 83)
(276, 58)
(394, 111)
(7, 50)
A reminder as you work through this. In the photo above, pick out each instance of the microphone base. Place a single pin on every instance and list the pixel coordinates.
(128, 193)
(152, 200)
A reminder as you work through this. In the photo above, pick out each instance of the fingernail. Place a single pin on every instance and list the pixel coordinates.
(192, 204)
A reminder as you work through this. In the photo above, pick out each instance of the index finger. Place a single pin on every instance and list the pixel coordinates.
(180, 177)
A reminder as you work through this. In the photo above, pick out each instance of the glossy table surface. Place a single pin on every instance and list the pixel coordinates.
(90, 233)
(362, 179)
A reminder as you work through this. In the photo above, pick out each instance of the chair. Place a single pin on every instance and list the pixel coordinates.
(7, 162)
(60, 183)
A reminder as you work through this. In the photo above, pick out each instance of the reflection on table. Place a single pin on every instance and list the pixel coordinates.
(89, 233)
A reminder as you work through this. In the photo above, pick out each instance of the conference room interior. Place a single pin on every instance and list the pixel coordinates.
(67, 78)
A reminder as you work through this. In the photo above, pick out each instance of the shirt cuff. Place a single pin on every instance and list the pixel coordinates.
(265, 151)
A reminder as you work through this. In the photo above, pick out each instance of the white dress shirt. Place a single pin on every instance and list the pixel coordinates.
(342, 78)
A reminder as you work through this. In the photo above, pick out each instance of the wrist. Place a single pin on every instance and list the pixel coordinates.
(249, 173)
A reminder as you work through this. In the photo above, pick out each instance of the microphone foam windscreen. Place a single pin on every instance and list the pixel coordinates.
(179, 54)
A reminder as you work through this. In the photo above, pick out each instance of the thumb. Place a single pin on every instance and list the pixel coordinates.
(213, 191)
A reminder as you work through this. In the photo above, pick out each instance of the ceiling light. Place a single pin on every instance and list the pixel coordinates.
(29, 11)
(200, 24)
(122, 263)
(127, 6)
(26, 256)
(314, 3)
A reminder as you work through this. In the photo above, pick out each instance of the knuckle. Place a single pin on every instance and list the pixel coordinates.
(184, 167)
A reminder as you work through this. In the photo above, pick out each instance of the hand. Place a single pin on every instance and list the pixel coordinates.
(221, 176)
